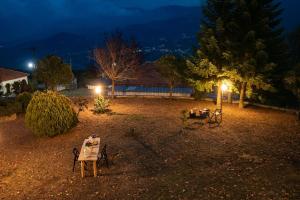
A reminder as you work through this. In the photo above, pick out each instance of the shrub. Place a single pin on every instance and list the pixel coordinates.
(1, 92)
(184, 118)
(8, 89)
(23, 99)
(26, 87)
(101, 105)
(50, 114)
(81, 104)
(8, 107)
(16, 86)
(8, 110)
(198, 95)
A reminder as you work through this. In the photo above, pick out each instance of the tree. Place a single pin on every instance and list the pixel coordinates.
(292, 78)
(294, 46)
(253, 27)
(211, 63)
(268, 27)
(1, 87)
(52, 71)
(292, 81)
(171, 67)
(16, 86)
(118, 59)
(1, 92)
(25, 87)
(8, 89)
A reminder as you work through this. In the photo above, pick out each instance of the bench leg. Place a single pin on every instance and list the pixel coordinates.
(82, 169)
(95, 168)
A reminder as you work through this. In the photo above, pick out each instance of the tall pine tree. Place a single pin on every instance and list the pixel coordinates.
(211, 63)
(256, 30)
(269, 29)
(292, 78)
(241, 40)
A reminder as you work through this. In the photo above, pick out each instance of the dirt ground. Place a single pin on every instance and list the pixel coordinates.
(255, 154)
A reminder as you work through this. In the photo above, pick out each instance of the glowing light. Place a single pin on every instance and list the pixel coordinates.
(224, 87)
(30, 65)
(98, 90)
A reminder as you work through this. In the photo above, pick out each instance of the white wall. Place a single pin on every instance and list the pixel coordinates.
(11, 82)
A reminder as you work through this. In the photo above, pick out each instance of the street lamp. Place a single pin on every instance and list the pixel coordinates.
(31, 65)
(224, 88)
(98, 90)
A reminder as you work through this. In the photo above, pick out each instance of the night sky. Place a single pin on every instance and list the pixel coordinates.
(70, 28)
(22, 18)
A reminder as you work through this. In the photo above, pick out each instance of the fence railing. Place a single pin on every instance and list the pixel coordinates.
(151, 91)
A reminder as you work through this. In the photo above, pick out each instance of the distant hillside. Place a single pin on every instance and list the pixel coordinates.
(169, 29)
(174, 32)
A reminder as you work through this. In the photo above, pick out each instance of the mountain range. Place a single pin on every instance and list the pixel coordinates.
(170, 29)
(158, 31)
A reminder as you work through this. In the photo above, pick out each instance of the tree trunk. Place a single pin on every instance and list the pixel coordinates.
(112, 88)
(219, 95)
(171, 90)
(242, 95)
(229, 97)
(298, 97)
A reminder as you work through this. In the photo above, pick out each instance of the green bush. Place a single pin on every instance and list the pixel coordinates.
(23, 99)
(101, 105)
(16, 87)
(8, 89)
(199, 95)
(184, 117)
(8, 110)
(50, 114)
(8, 106)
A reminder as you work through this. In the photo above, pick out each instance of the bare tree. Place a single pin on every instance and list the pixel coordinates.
(171, 68)
(119, 59)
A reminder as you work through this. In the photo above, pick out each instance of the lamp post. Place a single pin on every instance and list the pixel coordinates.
(224, 88)
(98, 90)
(31, 65)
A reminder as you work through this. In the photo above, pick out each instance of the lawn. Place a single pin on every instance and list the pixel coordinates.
(255, 154)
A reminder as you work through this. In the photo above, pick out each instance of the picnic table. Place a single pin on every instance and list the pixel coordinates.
(89, 153)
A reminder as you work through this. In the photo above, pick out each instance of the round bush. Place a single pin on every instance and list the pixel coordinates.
(50, 114)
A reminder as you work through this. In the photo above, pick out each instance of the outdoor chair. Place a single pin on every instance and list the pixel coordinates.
(103, 156)
(204, 115)
(215, 117)
(192, 114)
(76, 155)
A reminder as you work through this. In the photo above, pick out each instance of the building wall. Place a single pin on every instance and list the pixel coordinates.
(11, 82)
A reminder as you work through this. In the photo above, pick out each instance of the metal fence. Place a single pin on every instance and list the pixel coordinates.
(151, 91)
